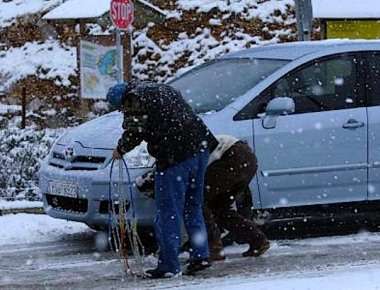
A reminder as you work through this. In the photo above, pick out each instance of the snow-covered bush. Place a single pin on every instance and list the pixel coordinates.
(20, 154)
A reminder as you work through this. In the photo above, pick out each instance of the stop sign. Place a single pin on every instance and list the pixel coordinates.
(122, 13)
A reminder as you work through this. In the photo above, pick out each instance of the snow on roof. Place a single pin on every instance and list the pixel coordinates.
(10, 10)
(336, 9)
(74, 9)
(77, 9)
(155, 8)
(255, 9)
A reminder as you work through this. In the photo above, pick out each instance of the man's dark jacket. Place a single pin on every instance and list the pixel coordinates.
(160, 116)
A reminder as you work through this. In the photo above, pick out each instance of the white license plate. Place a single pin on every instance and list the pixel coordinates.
(64, 189)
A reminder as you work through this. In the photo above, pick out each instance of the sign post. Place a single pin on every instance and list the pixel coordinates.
(120, 72)
(304, 17)
(122, 15)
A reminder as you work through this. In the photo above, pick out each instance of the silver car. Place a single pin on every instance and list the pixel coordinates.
(309, 110)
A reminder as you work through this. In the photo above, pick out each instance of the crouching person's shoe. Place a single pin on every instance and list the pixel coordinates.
(217, 256)
(257, 251)
(196, 266)
(158, 274)
(216, 250)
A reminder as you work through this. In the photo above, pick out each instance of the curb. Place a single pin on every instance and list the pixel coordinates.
(31, 210)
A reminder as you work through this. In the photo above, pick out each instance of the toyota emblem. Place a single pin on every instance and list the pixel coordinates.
(69, 154)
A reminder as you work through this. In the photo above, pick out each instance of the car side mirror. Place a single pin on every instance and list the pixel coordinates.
(280, 106)
(276, 108)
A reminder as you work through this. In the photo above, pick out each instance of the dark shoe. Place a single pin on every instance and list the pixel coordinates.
(158, 274)
(196, 266)
(257, 251)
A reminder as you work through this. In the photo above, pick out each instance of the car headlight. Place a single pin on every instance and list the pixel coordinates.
(56, 142)
(139, 157)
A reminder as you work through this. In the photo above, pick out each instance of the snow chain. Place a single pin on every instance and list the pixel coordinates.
(122, 230)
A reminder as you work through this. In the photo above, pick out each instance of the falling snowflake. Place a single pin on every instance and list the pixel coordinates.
(284, 201)
(371, 189)
(199, 238)
(318, 125)
(339, 81)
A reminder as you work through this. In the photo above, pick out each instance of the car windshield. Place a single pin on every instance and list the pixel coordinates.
(213, 86)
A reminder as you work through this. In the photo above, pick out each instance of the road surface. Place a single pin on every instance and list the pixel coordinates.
(74, 263)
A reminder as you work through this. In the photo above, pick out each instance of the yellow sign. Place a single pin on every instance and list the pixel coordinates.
(353, 29)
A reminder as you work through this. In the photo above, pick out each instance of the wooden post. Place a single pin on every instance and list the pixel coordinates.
(130, 54)
(23, 108)
(82, 27)
(127, 55)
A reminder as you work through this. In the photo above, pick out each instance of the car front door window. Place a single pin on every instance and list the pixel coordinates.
(324, 85)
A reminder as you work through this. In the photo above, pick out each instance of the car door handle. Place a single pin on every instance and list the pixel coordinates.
(353, 124)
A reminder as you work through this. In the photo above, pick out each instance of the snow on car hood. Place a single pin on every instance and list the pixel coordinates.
(101, 133)
(105, 131)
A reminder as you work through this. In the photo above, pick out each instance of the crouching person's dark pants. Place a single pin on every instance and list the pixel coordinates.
(179, 194)
(225, 180)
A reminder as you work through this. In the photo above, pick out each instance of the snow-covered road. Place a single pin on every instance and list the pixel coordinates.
(69, 260)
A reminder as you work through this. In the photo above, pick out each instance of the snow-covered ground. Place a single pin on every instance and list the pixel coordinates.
(9, 108)
(48, 60)
(347, 278)
(30, 228)
(38, 251)
(19, 204)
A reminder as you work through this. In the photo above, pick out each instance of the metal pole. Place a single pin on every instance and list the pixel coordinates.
(299, 19)
(308, 19)
(118, 56)
(304, 15)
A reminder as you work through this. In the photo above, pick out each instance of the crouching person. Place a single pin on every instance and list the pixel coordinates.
(180, 142)
(231, 167)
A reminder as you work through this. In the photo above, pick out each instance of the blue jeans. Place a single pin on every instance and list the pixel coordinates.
(179, 194)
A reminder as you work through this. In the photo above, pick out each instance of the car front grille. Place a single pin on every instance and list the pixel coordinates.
(63, 203)
(80, 162)
(83, 159)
